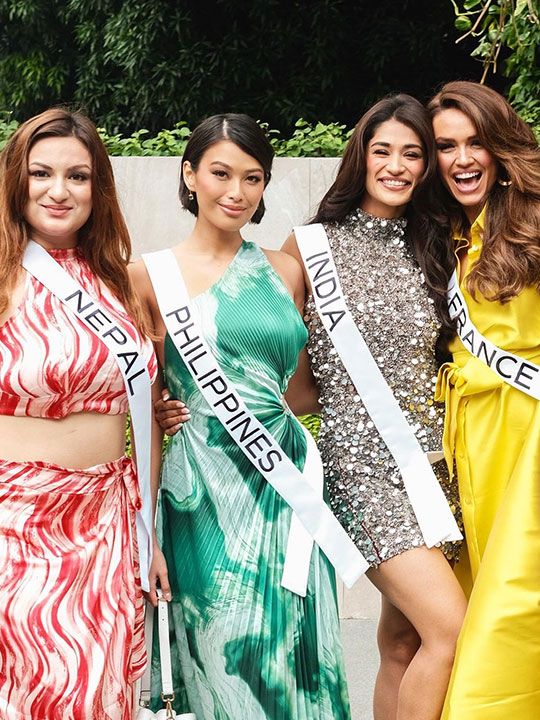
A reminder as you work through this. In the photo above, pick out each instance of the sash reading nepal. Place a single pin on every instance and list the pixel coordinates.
(258, 445)
(131, 364)
(430, 506)
(512, 369)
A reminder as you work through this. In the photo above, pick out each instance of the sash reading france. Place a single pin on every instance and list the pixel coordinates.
(512, 369)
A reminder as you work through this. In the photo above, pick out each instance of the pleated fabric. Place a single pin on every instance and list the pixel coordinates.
(242, 646)
(492, 434)
(71, 606)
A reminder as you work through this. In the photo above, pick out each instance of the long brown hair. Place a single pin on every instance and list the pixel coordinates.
(104, 239)
(510, 258)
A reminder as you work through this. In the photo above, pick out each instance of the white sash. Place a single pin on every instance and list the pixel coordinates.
(131, 364)
(512, 369)
(430, 506)
(258, 445)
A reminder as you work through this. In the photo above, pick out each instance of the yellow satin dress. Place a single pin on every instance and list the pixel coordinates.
(492, 434)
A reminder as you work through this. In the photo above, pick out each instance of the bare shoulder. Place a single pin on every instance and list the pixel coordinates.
(290, 271)
(290, 246)
(140, 279)
(284, 264)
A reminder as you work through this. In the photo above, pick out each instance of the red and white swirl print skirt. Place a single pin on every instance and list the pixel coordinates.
(71, 606)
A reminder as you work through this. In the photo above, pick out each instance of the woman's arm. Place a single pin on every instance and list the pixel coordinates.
(302, 394)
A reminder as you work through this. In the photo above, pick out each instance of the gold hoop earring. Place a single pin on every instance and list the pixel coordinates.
(504, 183)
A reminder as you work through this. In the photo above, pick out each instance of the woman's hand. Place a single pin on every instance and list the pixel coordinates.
(158, 575)
(170, 414)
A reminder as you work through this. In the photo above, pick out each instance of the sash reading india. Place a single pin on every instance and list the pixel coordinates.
(427, 499)
(131, 364)
(312, 519)
(512, 369)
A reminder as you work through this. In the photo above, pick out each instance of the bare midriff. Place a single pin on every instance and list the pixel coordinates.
(80, 440)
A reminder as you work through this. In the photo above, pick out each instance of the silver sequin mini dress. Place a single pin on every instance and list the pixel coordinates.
(386, 294)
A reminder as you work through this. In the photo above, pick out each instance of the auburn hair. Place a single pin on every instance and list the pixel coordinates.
(103, 240)
(510, 257)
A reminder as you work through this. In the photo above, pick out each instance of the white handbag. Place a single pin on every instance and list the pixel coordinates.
(167, 692)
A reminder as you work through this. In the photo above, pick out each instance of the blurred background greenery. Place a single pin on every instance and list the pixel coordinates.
(155, 64)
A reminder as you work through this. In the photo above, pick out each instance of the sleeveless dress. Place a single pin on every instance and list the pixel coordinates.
(492, 435)
(71, 605)
(243, 646)
(387, 297)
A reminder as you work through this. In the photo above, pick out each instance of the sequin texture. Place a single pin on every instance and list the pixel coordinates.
(386, 294)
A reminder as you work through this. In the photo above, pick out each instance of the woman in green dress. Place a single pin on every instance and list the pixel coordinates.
(243, 646)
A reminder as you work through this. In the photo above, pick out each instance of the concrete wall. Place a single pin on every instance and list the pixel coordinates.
(148, 189)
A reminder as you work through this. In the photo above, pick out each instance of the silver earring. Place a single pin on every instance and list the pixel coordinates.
(504, 183)
(190, 196)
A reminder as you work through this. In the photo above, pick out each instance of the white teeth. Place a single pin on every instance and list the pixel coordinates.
(395, 183)
(467, 175)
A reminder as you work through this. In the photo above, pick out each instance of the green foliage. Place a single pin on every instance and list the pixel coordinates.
(508, 29)
(7, 128)
(307, 140)
(145, 64)
(166, 142)
(36, 60)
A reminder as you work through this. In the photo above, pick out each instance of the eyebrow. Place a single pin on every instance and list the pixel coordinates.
(70, 169)
(224, 164)
(406, 147)
(450, 139)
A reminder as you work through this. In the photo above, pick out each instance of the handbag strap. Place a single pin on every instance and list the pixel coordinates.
(167, 692)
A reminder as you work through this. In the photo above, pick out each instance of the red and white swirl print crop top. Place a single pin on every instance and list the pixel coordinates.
(51, 364)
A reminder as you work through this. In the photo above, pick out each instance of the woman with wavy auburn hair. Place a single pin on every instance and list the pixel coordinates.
(489, 163)
(71, 630)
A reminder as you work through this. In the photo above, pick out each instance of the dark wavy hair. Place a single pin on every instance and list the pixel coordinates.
(347, 190)
(104, 239)
(240, 129)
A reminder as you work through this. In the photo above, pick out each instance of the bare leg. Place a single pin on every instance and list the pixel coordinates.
(420, 583)
(398, 643)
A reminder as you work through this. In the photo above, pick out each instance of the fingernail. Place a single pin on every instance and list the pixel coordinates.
(166, 396)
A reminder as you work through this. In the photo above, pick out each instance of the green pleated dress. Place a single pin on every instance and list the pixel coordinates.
(243, 647)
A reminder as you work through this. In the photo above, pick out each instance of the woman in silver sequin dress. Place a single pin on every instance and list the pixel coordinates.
(390, 159)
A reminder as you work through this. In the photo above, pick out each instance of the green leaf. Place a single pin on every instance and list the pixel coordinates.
(462, 23)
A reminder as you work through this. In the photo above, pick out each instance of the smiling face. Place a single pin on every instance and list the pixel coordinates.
(394, 165)
(467, 168)
(59, 191)
(229, 185)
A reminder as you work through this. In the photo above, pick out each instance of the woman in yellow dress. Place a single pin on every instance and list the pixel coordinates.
(489, 162)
